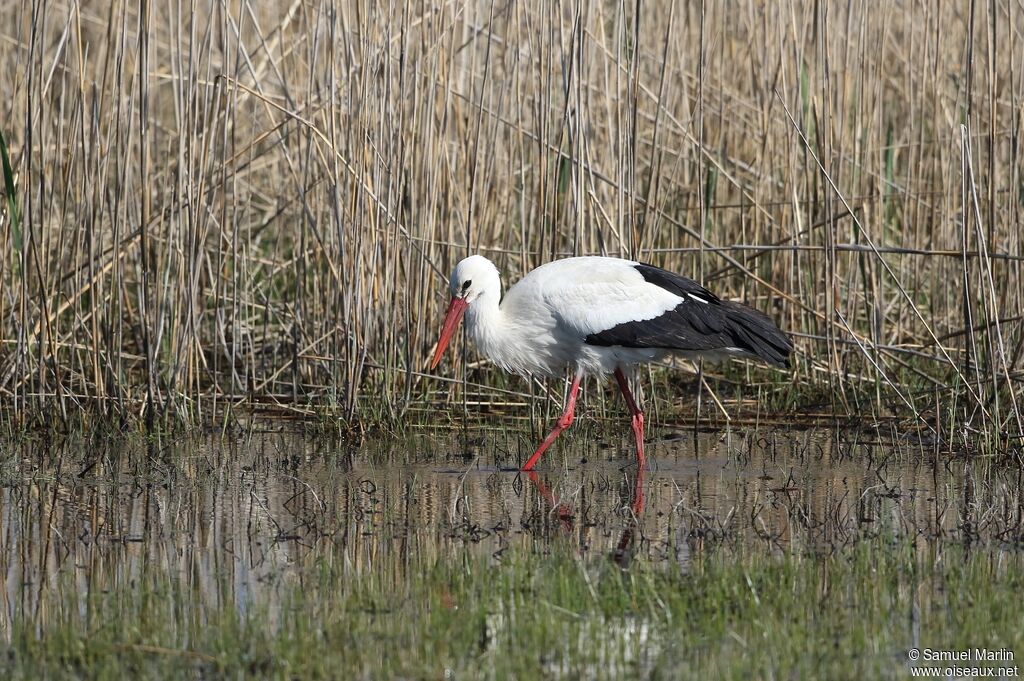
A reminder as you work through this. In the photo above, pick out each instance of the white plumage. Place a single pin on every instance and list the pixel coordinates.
(540, 326)
(596, 315)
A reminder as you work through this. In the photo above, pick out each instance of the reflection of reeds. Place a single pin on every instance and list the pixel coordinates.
(160, 549)
(249, 206)
(249, 516)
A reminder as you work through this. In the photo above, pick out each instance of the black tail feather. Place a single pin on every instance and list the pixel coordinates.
(756, 333)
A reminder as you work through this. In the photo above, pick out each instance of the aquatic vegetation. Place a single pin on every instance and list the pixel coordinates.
(756, 554)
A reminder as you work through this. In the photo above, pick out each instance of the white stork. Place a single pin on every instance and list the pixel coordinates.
(597, 315)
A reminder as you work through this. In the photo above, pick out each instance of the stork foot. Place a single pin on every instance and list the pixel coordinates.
(637, 423)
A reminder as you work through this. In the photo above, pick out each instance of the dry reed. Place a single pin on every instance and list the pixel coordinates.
(232, 204)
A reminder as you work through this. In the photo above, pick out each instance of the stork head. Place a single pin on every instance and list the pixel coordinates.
(472, 278)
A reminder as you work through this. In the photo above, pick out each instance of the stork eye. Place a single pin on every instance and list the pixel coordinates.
(465, 285)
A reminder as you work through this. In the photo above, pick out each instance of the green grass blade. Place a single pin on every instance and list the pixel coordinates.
(12, 196)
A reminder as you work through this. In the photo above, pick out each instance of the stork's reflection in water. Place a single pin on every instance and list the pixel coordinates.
(626, 547)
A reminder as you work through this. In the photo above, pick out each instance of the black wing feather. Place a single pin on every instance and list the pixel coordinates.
(702, 322)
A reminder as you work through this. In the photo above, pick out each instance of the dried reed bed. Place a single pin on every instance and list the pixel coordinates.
(232, 204)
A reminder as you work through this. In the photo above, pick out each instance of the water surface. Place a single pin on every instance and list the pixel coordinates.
(239, 521)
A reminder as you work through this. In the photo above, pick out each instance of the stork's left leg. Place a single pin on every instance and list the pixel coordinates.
(564, 421)
(636, 416)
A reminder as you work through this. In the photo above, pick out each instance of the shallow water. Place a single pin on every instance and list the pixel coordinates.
(241, 521)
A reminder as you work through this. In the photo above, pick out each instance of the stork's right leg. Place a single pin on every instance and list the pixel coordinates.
(563, 422)
(636, 416)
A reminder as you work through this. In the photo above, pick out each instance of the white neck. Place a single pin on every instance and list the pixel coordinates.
(484, 319)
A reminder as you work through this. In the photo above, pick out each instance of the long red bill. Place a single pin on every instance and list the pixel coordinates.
(456, 309)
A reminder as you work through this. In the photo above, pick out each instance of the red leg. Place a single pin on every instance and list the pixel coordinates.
(563, 422)
(636, 416)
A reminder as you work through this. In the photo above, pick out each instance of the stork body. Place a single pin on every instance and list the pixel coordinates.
(596, 315)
